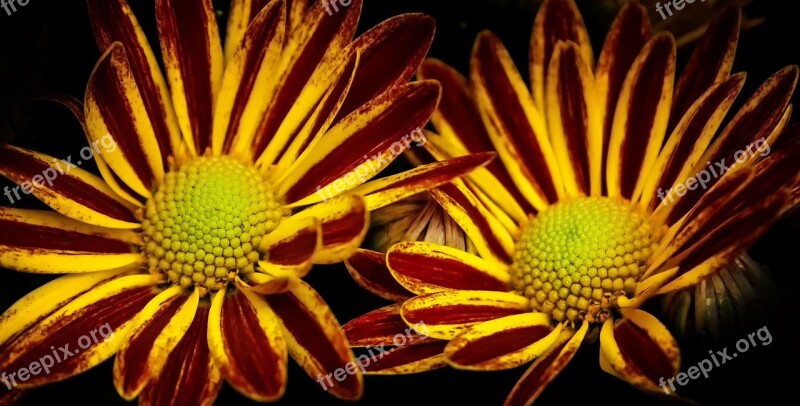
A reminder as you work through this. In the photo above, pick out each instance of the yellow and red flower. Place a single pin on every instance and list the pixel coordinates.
(192, 245)
(570, 234)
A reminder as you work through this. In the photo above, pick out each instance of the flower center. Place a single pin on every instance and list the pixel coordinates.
(576, 257)
(204, 224)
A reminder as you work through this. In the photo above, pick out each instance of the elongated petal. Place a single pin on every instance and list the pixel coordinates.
(115, 111)
(188, 371)
(458, 121)
(247, 344)
(156, 330)
(640, 120)
(294, 243)
(47, 242)
(546, 367)
(390, 53)
(248, 70)
(407, 359)
(315, 339)
(42, 302)
(426, 268)
(368, 269)
(756, 120)
(86, 331)
(557, 20)
(640, 349)
(194, 62)
(628, 35)
(517, 129)
(344, 221)
(372, 129)
(688, 142)
(114, 21)
(240, 15)
(711, 62)
(448, 313)
(69, 190)
(382, 192)
(573, 120)
(491, 239)
(502, 343)
(383, 326)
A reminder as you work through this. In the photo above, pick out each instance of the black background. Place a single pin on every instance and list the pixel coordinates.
(47, 46)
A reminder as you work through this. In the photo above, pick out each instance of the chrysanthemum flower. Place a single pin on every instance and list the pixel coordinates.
(572, 237)
(191, 247)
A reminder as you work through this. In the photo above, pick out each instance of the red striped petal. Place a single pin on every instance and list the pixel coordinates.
(368, 269)
(390, 53)
(189, 377)
(711, 62)
(114, 21)
(380, 327)
(193, 58)
(405, 359)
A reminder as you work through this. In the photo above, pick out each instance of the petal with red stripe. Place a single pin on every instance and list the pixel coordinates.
(407, 359)
(86, 331)
(192, 53)
(315, 339)
(446, 314)
(47, 242)
(247, 344)
(66, 188)
(368, 269)
(426, 268)
(383, 327)
(503, 343)
(293, 244)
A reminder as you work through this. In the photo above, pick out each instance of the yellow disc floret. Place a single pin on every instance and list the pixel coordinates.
(204, 224)
(574, 258)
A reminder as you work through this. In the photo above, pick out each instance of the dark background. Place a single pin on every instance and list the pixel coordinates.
(47, 46)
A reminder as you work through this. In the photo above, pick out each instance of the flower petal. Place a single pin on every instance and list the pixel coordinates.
(87, 331)
(426, 268)
(344, 221)
(240, 15)
(711, 62)
(47, 242)
(757, 119)
(193, 58)
(407, 359)
(382, 192)
(639, 349)
(156, 330)
(248, 70)
(546, 367)
(189, 370)
(114, 21)
(371, 129)
(448, 313)
(458, 121)
(48, 298)
(73, 192)
(380, 327)
(573, 120)
(640, 120)
(517, 129)
(315, 339)
(293, 244)
(247, 344)
(556, 21)
(368, 269)
(502, 343)
(114, 108)
(491, 239)
(390, 53)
